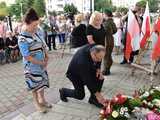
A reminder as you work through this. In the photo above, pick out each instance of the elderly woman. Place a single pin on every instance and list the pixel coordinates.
(95, 30)
(78, 38)
(35, 60)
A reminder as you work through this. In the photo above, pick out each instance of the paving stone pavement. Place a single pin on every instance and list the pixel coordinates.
(16, 102)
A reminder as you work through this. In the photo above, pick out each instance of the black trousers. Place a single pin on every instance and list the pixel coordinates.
(51, 39)
(131, 59)
(78, 92)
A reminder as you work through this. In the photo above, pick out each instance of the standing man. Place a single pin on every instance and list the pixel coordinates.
(52, 32)
(84, 69)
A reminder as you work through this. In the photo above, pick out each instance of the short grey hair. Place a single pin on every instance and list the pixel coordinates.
(97, 49)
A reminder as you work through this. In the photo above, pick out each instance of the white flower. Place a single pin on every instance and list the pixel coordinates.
(125, 109)
(121, 112)
(144, 101)
(157, 88)
(115, 114)
(156, 102)
(150, 104)
(127, 115)
(146, 94)
(152, 91)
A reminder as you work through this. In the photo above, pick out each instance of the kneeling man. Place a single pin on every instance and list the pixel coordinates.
(84, 69)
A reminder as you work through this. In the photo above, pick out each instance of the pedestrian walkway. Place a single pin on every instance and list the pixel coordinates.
(120, 80)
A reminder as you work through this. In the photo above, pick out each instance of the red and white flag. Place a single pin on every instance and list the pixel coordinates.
(133, 35)
(156, 46)
(146, 29)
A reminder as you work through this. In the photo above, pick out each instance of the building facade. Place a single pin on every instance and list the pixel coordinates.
(124, 3)
(58, 5)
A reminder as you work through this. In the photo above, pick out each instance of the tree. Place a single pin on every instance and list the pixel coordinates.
(26, 4)
(3, 10)
(100, 5)
(70, 9)
(153, 4)
(20, 7)
(39, 6)
(2, 5)
(15, 10)
(122, 9)
(52, 13)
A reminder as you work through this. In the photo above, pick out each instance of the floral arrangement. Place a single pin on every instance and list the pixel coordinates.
(122, 107)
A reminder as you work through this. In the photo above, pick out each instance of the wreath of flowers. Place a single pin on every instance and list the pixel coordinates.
(122, 107)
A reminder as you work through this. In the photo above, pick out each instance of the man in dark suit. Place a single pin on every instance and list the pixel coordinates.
(84, 69)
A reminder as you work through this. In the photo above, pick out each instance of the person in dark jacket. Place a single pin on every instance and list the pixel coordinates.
(84, 69)
(12, 47)
(2, 53)
(78, 37)
(110, 29)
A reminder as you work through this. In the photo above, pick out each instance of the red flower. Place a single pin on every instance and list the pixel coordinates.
(121, 99)
(149, 98)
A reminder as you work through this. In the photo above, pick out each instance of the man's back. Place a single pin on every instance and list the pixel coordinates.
(81, 62)
(81, 57)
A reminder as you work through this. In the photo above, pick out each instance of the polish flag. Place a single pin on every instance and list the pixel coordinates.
(133, 35)
(145, 33)
(156, 50)
(156, 46)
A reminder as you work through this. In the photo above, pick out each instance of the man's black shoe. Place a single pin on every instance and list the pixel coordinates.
(54, 48)
(96, 103)
(62, 97)
(123, 62)
(106, 72)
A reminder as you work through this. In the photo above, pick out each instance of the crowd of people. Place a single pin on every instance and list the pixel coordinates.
(76, 28)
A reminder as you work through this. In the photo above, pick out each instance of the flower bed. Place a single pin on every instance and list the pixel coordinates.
(144, 104)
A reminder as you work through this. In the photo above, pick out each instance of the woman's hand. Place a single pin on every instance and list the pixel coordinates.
(90, 39)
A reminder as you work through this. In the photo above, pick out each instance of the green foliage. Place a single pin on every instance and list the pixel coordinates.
(15, 9)
(53, 13)
(70, 9)
(3, 5)
(122, 9)
(100, 5)
(39, 6)
(3, 10)
(136, 102)
(156, 94)
(24, 5)
(153, 4)
(142, 3)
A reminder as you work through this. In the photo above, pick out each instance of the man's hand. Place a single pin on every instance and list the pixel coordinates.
(100, 98)
(99, 74)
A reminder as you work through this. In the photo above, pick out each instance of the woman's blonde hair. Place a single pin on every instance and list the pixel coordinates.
(94, 16)
(79, 18)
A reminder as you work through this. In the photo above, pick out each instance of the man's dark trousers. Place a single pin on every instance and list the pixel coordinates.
(78, 92)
